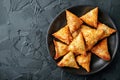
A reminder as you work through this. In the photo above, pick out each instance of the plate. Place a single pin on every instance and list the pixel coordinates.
(97, 64)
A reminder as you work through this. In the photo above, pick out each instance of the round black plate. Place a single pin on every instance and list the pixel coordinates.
(97, 64)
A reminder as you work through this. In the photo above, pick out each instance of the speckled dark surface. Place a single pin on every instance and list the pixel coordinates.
(23, 30)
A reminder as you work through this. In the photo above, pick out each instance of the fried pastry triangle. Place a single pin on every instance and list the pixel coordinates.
(68, 61)
(77, 45)
(73, 21)
(101, 50)
(84, 61)
(91, 36)
(64, 35)
(60, 48)
(107, 30)
(91, 17)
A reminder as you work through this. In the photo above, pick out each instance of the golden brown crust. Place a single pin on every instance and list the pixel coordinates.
(91, 36)
(84, 61)
(74, 34)
(107, 30)
(60, 49)
(77, 45)
(64, 35)
(101, 50)
(91, 17)
(68, 61)
(73, 21)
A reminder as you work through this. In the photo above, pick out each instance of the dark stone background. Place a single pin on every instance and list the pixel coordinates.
(23, 29)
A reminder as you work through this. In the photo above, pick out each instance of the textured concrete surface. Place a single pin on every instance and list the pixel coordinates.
(23, 29)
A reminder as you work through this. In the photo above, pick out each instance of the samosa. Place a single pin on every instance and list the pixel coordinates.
(77, 45)
(60, 49)
(91, 36)
(101, 50)
(84, 61)
(107, 30)
(68, 61)
(91, 17)
(64, 35)
(73, 21)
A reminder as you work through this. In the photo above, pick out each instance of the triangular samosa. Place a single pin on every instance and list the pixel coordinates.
(68, 61)
(91, 36)
(77, 45)
(91, 17)
(63, 34)
(73, 21)
(107, 30)
(60, 48)
(101, 50)
(84, 61)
